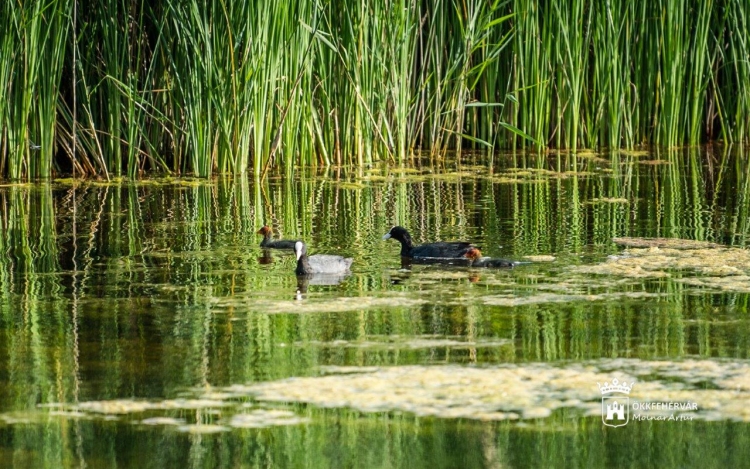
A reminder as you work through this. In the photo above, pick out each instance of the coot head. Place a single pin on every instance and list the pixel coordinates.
(399, 233)
(300, 249)
(265, 231)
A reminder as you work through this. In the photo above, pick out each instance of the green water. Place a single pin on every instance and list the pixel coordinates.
(123, 303)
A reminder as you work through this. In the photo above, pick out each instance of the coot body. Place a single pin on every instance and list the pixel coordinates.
(319, 263)
(440, 250)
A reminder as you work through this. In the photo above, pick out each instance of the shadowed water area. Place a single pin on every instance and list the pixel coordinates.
(142, 326)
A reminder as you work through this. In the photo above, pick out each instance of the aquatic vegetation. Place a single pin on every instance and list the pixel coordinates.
(672, 243)
(635, 153)
(313, 304)
(608, 200)
(264, 418)
(504, 392)
(518, 391)
(540, 258)
(655, 261)
(128, 406)
(653, 162)
(162, 421)
(731, 283)
(205, 88)
(544, 298)
(395, 342)
(234, 414)
(202, 429)
(633, 268)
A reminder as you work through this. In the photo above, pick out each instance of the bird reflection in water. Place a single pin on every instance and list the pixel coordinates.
(304, 281)
(266, 257)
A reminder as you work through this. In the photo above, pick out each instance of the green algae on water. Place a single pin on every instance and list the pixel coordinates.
(681, 255)
(673, 243)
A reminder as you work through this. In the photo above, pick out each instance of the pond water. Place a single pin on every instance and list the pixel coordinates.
(142, 326)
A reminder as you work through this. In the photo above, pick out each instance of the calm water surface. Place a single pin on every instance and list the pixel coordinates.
(142, 326)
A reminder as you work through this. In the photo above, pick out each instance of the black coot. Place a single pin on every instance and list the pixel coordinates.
(437, 250)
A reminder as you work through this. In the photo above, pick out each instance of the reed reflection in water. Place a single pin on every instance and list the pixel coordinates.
(149, 289)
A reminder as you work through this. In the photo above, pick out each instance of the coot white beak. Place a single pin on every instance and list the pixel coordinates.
(298, 249)
(386, 236)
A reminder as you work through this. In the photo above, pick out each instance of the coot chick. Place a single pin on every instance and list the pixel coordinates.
(268, 242)
(475, 256)
(319, 263)
(438, 250)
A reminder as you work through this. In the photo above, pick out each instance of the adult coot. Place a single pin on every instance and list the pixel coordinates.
(268, 241)
(319, 263)
(436, 250)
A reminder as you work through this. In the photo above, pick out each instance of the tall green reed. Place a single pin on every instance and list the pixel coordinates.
(572, 53)
(33, 52)
(532, 59)
(208, 86)
(611, 116)
(733, 108)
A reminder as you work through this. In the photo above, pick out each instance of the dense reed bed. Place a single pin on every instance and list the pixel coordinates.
(115, 87)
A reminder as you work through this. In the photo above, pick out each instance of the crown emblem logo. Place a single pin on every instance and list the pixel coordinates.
(615, 403)
(616, 386)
